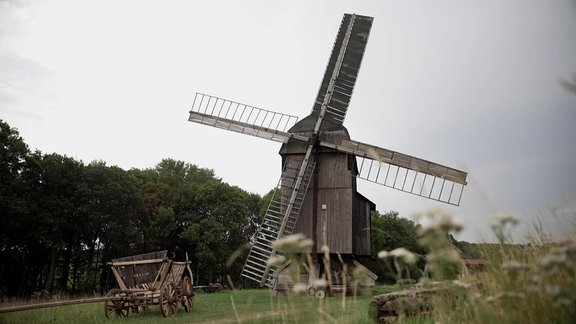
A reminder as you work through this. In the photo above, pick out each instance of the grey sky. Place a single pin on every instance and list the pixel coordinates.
(471, 84)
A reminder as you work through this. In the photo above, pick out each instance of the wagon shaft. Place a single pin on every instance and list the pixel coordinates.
(53, 304)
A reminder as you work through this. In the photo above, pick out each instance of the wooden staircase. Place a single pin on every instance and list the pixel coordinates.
(278, 222)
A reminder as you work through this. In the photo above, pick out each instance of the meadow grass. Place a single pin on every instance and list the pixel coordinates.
(238, 306)
(528, 283)
(533, 283)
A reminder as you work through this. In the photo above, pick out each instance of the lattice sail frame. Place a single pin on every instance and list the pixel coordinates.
(233, 116)
(375, 164)
(410, 181)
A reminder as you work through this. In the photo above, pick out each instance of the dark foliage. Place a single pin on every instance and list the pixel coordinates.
(62, 220)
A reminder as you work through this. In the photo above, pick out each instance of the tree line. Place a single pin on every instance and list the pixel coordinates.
(61, 220)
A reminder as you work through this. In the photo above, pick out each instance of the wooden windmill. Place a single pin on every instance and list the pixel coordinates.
(317, 193)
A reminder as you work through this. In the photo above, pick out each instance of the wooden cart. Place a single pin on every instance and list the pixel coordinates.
(149, 279)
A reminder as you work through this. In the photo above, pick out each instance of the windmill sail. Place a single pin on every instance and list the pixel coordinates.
(343, 71)
(405, 172)
(375, 164)
(241, 118)
(419, 181)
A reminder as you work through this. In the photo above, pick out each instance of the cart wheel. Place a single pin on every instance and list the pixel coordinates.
(320, 294)
(115, 308)
(168, 300)
(187, 288)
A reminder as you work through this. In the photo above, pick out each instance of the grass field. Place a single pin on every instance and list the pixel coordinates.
(522, 284)
(528, 283)
(241, 306)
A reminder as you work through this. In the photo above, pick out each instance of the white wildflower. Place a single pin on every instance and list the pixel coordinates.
(562, 302)
(553, 290)
(502, 218)
(511, 294)
(515, 265)
(299, 288)
(552, 260)
(437, 219)
(276, 260)
(491, 299)
(507, 294)
(404, 254)
(383, 254)
(461, 284)
(288, 241)
(305, 244)
(320, 283)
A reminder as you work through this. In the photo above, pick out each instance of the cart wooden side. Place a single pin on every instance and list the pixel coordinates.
(149, 279)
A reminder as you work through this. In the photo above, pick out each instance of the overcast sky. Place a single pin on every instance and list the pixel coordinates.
(475, 85)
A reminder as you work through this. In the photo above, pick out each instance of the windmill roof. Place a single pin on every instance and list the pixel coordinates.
(307, 124)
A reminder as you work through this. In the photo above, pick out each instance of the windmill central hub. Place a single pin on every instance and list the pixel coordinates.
(314, 140)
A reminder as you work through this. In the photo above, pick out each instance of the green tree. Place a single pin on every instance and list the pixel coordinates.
(169, 196)
(63, 220)
(13, 208)
(219, 227)
(111, 200)
(389, 232)
(54, 180)
(467, 250)
(13, 154)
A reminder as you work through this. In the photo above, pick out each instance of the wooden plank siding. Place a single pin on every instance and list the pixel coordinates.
(141, 272)
(336, 218)
(362, 224)
(346, 215)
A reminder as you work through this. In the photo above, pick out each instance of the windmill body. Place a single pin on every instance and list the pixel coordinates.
(333, 213)
(317, 193)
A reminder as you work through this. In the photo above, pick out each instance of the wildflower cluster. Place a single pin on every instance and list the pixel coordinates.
(402, 259)
(529, 283)
(296, 248)
(443, 260)
(294, 244)
(536, 279)
(555, 275)
(502, 224)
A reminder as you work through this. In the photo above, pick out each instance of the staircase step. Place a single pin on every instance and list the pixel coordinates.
(256, 267)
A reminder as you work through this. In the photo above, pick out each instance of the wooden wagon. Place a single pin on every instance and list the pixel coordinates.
(149, 279)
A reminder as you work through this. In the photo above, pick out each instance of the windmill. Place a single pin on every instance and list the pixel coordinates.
(317, 193)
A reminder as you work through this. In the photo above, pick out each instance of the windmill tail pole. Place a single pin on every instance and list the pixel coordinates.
(55, 304)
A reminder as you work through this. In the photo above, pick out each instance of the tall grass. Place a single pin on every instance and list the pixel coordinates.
(523, 283)
(528, 283)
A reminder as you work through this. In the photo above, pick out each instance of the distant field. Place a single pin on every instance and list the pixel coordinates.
(245, 306)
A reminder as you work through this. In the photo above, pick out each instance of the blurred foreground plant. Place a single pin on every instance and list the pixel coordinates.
(443, 260)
